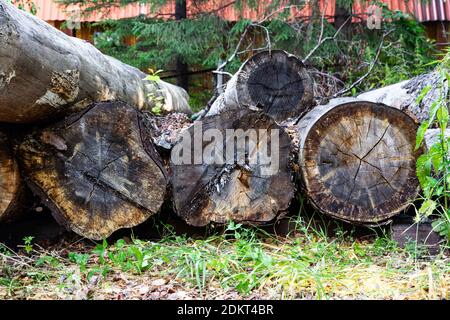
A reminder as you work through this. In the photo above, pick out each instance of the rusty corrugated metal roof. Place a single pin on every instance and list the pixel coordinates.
(50, 10)
(433, 10)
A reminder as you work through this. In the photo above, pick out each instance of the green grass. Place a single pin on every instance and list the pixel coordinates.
(241, 263)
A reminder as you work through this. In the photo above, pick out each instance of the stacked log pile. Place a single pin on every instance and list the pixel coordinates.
(100, 162)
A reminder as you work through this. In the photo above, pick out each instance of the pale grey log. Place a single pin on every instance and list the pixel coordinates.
(403, 95)
(44, 71)
(432, 136)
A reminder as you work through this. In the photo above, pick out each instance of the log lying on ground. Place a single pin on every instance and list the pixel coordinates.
(97, 171)
(11, 188)
(357, 160)
(223, 178)
(274, 81)
(44, 72)
(432, 136)
(403, 95)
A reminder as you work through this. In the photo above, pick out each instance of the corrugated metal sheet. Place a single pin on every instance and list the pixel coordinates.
(49, 10)
(433, 10)
(430, 10)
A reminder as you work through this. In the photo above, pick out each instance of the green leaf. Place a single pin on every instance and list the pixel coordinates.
(423, 170)
(421, 133)
(427, 207)
(152, 77)
(423, 93)
(437, 156)
(433, 109)
(442, 226)
(442, 116)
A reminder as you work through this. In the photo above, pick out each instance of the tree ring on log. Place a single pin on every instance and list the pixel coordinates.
(97, 171)
(10, 182)
(277, 82)
(358, 160)
(245, 189)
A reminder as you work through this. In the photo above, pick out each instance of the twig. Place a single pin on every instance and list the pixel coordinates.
(322, 41)
(222, 65)
(222, 72)
(254, 24)
(372, 64)
(15, 260)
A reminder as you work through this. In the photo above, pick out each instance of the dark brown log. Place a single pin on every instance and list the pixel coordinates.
(11, 188)
(97, 171)
(211, 185)
(274, 81)
(403, 95)
(44, 72)
(405, 231)
(357, 160)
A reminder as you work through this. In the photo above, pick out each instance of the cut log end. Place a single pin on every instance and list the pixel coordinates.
(243, 187)
(97, 170)
(358, 160)
(277, 82)
(10, 182)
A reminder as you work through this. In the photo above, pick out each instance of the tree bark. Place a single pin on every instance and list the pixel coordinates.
(222, 178)
(44, 73)
(403, 95)
(275, 82)
(342, 15)
(97, 170)
(357, 160)
(11, 187)
(182, 68)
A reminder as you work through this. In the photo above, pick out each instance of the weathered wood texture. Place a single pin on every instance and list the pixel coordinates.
(11, 189)
(232, 180)
(97, 171)
(403, 95)
(166, 130)
(44, 72)
(275, 82)
(357, 160)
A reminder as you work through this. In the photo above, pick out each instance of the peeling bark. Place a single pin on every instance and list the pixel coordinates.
(403, 95)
